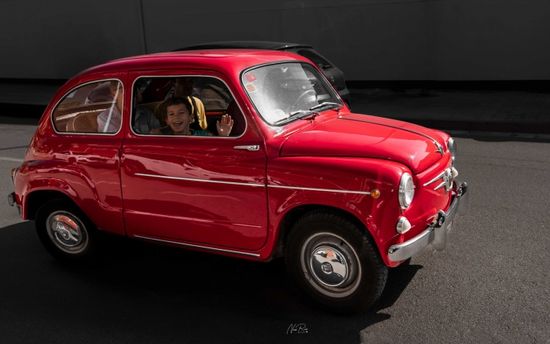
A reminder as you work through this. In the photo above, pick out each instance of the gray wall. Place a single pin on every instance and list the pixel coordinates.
(369, 39)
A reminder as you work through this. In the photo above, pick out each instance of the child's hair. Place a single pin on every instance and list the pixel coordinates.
(163, 107)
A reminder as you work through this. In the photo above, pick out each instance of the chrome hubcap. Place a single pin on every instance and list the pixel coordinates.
(331, 264)
(67, 232)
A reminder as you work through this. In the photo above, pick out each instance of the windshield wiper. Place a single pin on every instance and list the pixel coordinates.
(309, 114)
(295, 114)
(329, 105)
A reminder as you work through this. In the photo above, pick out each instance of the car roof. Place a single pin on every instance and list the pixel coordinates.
(234, 60)
(245, 45)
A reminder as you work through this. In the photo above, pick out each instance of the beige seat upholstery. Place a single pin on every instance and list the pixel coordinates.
(83, 123)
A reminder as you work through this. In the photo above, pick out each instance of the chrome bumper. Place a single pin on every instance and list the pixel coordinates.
(436, 233)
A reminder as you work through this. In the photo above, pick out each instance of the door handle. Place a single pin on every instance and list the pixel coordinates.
(250, 148)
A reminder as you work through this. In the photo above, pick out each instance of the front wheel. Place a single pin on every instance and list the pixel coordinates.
(65, 231)
(334, 262)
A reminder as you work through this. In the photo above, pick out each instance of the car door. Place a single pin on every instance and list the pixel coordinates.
(196, 190)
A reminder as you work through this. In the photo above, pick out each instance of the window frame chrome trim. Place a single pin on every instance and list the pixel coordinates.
(77, 87)
(168, 76)
(331, 87)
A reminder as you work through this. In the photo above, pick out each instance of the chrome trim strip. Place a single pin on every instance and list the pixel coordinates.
(440, 185)
(252, 184)
(447, 175)
(435, 178)
(198, 246)
(197, 180)
(438, 146)
(317, 189)
(250, 148)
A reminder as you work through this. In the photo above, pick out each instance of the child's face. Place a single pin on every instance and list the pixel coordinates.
(178, 118)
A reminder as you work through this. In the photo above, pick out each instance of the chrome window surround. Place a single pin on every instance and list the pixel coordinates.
(185, 136)
(74, 89)
(330, 87)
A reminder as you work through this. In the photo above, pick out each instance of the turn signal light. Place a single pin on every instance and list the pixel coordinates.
(403, 225)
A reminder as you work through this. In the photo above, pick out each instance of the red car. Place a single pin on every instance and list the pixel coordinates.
(245, 153)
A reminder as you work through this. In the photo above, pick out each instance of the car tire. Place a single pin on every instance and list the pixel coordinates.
(66, 233)
(335, 263)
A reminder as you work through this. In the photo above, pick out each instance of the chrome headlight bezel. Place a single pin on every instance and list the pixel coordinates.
(451, 145)
(406, 190)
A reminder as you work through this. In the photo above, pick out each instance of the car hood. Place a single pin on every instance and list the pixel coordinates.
(356, 135)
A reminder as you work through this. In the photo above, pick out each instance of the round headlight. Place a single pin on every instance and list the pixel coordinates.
(452, 148)
(406, 190)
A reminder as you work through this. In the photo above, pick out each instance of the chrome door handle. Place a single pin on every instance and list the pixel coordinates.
(250, 148)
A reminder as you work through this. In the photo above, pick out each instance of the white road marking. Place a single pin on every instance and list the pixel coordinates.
(7, 158)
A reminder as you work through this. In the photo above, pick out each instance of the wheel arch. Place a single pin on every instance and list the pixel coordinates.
(35, 199)
(291, 216)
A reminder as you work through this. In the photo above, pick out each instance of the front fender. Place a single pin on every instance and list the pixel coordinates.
(341, 183)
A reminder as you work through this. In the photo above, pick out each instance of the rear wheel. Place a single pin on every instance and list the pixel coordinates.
(334, 262)
(65, 231)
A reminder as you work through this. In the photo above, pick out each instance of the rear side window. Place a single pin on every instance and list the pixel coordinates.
(94, 108)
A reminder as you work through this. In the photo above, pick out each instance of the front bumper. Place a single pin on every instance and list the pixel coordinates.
(435, 234)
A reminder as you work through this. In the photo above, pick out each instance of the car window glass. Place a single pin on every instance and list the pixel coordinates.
(282, 90)
(95, 107)
(198, 103)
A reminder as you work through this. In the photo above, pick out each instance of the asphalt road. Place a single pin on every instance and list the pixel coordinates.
(491, 284)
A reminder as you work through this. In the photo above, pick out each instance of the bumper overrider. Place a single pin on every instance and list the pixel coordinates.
(435, 234)
(12, 198)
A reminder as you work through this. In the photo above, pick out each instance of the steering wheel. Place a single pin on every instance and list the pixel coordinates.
(302, 97)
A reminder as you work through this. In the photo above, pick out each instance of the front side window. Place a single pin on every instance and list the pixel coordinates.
(287, 91)
(95, 107)
(185, 105)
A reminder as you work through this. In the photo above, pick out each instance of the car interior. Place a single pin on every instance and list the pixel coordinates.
(77, 112)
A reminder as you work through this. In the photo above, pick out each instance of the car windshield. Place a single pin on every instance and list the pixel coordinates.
(287, 91)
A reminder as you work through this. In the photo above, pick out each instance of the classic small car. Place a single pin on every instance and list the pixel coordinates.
(245, 153)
